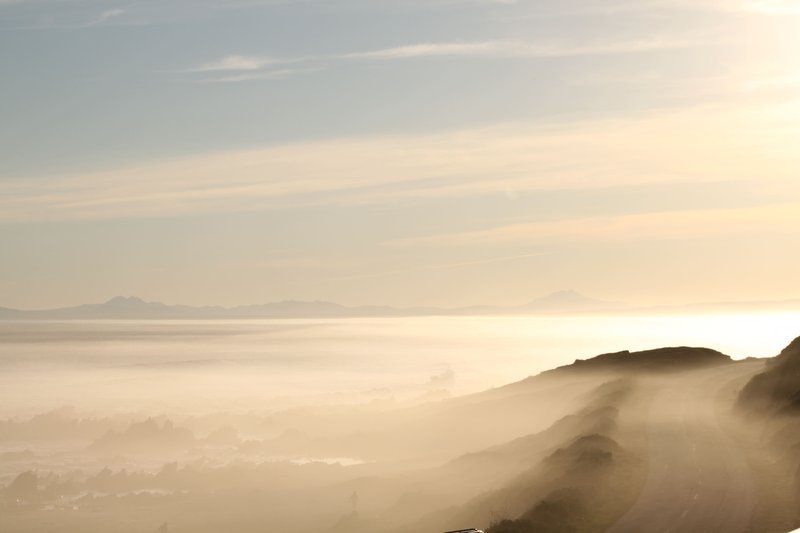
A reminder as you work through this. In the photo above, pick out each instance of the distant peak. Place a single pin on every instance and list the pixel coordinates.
(125, 300)
(567, 293)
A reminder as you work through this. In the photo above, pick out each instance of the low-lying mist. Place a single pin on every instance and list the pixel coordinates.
(193, 427)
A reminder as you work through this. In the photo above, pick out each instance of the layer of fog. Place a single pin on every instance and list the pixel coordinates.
(201, 366)
(155, 440)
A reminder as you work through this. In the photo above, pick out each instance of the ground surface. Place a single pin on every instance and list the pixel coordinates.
(699, 478)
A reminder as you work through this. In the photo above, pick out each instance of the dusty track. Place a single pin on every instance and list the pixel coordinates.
(698, 478)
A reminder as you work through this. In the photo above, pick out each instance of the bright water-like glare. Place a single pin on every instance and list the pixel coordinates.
(190, 366)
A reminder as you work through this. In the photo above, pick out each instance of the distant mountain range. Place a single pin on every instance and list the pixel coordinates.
(561, 302)
(121, 307)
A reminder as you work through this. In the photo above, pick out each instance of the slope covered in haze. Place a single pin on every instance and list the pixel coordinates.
(627, 441)
(777, 388)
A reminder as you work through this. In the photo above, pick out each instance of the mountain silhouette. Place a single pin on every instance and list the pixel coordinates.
(131, 307)
(658, 360)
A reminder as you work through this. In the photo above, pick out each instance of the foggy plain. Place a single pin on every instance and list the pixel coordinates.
(394, 424)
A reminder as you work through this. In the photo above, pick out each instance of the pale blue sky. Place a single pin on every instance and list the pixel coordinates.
(402, 152)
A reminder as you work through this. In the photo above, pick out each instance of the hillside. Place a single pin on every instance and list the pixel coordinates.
(778, 387)
(658, 360)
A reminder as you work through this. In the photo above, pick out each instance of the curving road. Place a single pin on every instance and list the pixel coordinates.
(698, 479)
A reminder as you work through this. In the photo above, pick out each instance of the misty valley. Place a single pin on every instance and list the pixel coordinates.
(185, 427)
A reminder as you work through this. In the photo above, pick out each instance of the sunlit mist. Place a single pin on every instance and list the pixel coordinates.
(399, 266)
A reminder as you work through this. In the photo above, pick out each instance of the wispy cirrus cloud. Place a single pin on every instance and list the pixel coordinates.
(85, 15)
(435, 267)
(105, 16)
(237, 63)
(239, 68)
(477, 50)
(521, 49)
(275, 74)
(667, 225)
(693, 145)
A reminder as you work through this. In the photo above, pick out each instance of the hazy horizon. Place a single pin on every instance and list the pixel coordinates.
(115, 297)
(567, 294)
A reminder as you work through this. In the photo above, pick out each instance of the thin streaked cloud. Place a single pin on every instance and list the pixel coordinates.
(240, 68)
(698, 145)
(436, 267)
(235, 63)
(477, 50)
(277, 74)
(106, 16)
(690, 224)
(522, 49)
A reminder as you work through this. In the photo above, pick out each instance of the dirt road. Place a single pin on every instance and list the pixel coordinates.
(698, 479)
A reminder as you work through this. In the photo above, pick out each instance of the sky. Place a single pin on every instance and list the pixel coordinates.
(400, 152)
